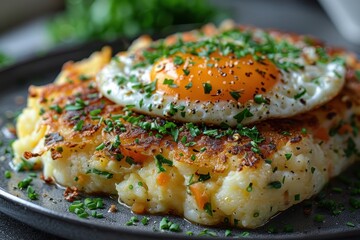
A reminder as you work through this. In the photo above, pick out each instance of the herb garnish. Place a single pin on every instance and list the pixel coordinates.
(101, 173)
(160, 160)
(207, 88)
(242, 115)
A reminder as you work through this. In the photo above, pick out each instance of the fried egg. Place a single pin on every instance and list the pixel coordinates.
(230, 77)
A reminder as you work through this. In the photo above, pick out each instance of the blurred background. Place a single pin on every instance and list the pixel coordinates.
(33, 28)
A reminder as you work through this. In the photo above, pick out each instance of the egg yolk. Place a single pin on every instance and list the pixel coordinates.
(215, 77)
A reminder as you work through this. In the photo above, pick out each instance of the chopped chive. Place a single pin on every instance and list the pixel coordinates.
(350, 224)
(288, 156)
(145, 221)
(186, 72)
(319, 218)
(160, 160)
(188, 86)
(207, 88)
(235, 95)
(178, 60)
(133, 220)
(25, 183)
(288, 228)
(242, 115)
(170, 83)
(357, 75)
(100, 147)
(101, 173)
(208, 209)
(95, 112)
(7, 174)
(258, 98)
(31, 193)
(249, 188)
(56, 108)
(275, 184)
(79, 125)
(300, 94)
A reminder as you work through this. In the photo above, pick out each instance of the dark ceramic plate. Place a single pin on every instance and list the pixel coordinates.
(50, 213)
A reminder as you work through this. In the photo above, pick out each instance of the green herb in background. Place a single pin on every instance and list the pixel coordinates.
(5, 60)
(97, 19)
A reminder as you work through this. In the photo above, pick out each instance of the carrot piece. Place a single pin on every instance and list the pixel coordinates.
(199, 192)
(162, 179)
(137, 156)
(322, 134)
(346, 128)
(138, 208)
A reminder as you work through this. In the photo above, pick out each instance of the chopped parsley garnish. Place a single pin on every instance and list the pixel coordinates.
(207, 88)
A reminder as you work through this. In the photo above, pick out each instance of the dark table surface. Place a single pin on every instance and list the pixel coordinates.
(298, 16)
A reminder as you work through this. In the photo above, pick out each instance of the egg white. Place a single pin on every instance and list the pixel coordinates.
(318, 82)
